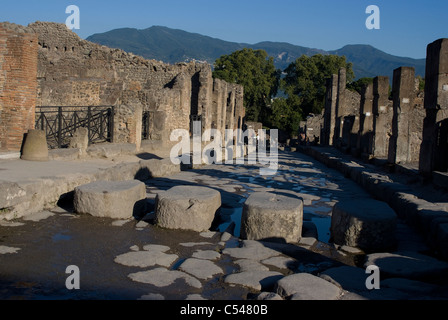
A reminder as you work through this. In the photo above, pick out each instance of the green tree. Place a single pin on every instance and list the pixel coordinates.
(284, 116)
(254, 70)
(305, 81)
(359, 84)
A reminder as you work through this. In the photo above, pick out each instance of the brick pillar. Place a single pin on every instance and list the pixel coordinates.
(382, 117)
(403, 91)
(18, 87)
(330, 110)
(366, 120)
(434, 148)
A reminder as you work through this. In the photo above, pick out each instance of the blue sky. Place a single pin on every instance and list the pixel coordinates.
(407, 26)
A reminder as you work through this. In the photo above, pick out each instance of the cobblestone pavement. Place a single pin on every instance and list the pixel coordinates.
(133, 259)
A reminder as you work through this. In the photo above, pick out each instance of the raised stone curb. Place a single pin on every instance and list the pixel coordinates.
(18, 198)
(408, 265)
(111, 199)
(156, 168)
(417, 212)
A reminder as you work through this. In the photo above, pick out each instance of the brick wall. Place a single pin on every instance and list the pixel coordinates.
(18, 86)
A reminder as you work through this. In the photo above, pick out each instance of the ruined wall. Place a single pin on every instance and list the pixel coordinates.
(75, 72)
(18, 68)
(434, 149)
(382, 117)
(407, 122)
(330, 111)
(371, 125)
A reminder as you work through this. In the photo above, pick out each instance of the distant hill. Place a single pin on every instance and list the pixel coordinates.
(173, 46)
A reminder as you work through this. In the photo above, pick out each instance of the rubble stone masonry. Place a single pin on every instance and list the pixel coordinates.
(69, 71)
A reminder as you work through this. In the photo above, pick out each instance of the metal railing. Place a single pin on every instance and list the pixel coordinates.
(60, 123)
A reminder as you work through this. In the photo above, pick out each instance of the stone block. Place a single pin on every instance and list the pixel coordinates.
(187, 208)
(268, 216)
(108, 199)
(365, 223)
(35, 147)
(80, 140)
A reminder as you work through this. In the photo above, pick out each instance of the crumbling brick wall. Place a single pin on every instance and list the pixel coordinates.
(18, 86)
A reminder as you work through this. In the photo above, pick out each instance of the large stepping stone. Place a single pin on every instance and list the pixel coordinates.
(268, 216)
(111, 199)
(187, 208)
(364, 223)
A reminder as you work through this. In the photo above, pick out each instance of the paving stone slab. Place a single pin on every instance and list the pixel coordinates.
(347, 277)
(8, 250)
(305, 286)
(252, 250)
(162, 277)
(202, 269)
(257, 279)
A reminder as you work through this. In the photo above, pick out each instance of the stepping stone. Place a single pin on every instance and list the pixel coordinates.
(305, 286)
(268, 216)
(364, 223)
(111, 199)
(187, 208)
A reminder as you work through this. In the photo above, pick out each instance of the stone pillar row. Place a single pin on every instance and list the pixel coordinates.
(396, 122)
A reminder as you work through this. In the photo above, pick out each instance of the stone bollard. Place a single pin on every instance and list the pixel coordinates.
(187, 208)
(111, 199)
(364, 223)
(35, 147)
(273, 217)
(80, 140)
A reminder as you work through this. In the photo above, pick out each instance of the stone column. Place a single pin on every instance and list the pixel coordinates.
(403, 91)
(381, 116)
(340, 103)
(434, 149)
(330, 110)
(205, 92)
(366, 121)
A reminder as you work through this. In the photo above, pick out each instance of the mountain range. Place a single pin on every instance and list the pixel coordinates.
(173, 46)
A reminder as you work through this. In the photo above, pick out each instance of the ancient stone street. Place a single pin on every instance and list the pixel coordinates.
(134, 259)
